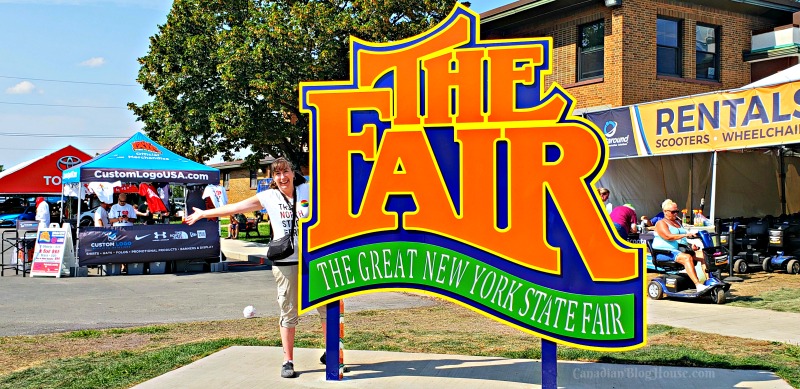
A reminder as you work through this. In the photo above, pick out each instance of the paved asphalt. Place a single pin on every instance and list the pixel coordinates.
(43, 305)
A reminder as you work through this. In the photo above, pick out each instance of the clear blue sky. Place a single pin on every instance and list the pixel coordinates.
(68, 69)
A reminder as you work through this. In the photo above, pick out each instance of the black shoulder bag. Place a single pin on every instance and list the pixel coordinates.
(283, 247)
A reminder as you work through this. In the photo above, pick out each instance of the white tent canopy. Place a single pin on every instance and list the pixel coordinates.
(748, 182)
(787, 75)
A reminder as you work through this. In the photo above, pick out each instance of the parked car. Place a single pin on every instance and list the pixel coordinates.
(179, 208)
(12, 203)
(10, 216)
(87, 218)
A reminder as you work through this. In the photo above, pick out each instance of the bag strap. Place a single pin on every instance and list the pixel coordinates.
(294, 215)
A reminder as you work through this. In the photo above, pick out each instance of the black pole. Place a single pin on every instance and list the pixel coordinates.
(731, 277)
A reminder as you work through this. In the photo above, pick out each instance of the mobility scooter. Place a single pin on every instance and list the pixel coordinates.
(674, 283)
(750, 243)
(785, 241)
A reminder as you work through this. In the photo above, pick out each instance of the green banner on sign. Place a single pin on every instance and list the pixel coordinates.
(576, 315)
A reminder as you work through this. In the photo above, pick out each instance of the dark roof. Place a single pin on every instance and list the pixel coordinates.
(238, 163)
(522, 5)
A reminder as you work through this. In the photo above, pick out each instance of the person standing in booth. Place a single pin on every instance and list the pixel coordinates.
(122, 212)
(101, 215)
(287, 188)
(42, 212)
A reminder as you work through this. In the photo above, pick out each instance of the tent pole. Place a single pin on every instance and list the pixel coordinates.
(61, 219)
(78, 225)
(690, 207)
(782, 182)
(713, 205)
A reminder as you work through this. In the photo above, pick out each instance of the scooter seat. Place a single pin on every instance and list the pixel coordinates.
(665, 260)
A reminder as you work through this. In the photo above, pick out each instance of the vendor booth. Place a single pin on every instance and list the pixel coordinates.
(731, 153)
(19, 185)
(142, 162)
(40, 176)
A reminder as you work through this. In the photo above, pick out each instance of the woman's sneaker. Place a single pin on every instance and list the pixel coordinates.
(287, 371)
(701, 287)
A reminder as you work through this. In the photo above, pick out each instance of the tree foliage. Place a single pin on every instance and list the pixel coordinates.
(224, 74)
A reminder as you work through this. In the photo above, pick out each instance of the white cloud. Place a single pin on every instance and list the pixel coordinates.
(94, 62)
(22, 88)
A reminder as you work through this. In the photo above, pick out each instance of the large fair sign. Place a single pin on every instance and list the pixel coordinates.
(446, 165)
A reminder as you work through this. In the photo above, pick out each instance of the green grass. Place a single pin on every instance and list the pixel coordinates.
(785, 300)
(119, 369)
(263, 229)
(83, 334)
(140, 330)
(122, 369)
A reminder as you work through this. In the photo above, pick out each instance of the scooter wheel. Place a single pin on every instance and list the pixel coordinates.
(793, 267)
(766, 265)
(655, 291)
(718, 295)
(740, 266)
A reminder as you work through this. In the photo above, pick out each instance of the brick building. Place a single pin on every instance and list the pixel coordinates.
(241, 181)
(610, 53)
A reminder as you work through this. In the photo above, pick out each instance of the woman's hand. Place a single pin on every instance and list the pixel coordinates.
(196, 215)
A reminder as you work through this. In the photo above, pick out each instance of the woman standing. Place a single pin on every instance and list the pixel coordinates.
(285, 190)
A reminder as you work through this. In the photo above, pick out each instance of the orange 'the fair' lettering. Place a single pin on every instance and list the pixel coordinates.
(473, 91)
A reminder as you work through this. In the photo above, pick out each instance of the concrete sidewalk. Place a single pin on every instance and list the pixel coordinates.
(726, 320)
(242, 250)
(259, 367)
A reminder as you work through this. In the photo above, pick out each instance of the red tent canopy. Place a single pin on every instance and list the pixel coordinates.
(41, 175)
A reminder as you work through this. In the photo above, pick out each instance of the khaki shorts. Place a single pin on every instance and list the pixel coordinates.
(286, 278)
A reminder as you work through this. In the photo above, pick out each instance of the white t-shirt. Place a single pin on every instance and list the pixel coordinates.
(103, 190)
(102, 215)
(43, 214)
(217, 194)
(118, 211)
(280, 213)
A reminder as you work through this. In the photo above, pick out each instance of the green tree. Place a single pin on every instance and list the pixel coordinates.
(224, 74)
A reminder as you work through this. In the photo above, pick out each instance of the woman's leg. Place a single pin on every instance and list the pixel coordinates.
(287, 340)
(688, 263)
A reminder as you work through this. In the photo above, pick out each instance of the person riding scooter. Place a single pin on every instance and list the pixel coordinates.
(671, 236)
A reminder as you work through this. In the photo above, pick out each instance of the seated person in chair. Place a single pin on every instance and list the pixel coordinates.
(233, 228)
(671, 236)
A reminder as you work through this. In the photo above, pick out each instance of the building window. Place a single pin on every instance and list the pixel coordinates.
(253, 179)
(707, 52)
(226, 180)
(591, 50)
(668, 41)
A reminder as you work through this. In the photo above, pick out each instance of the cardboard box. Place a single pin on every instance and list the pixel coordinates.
(135, 269)
(113, 269)
(187, 266)
(157, 267)
(82, 271)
